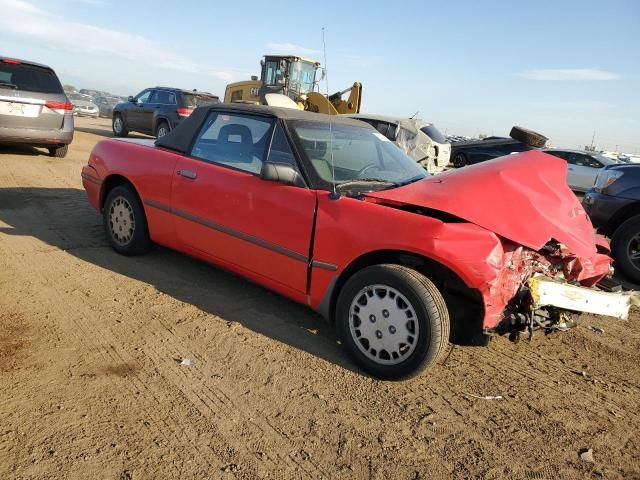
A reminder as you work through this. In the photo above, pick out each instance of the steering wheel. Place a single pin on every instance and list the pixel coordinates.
(366, 168)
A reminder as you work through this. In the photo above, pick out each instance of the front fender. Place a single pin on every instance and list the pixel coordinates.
(347, 229)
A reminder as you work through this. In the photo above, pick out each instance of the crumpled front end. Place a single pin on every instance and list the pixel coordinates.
(546, 289)
(539, 228)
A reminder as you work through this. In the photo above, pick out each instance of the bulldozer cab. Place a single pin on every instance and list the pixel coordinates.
(288, 75)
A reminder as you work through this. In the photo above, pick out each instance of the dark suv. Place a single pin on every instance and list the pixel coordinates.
(157, 111)
(34, 109)
(613, 203)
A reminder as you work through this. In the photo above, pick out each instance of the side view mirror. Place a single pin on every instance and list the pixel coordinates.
(132, 100)
(281, 173)
(323, 73)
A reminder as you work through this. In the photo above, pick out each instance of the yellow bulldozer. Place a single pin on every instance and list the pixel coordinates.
(296, 78)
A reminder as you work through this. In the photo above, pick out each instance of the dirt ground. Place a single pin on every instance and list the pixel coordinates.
(91, 385)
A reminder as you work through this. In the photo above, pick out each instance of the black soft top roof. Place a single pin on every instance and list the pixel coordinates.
(181, 137)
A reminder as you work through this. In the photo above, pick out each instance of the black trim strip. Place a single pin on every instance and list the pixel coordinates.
(158, 205)
(324, 265)
(229, 231)
(91, 179)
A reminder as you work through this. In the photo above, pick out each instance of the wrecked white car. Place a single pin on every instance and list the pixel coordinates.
(421, 140)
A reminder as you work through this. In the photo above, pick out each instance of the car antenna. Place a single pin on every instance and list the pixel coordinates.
(413, 116)
(334, 195)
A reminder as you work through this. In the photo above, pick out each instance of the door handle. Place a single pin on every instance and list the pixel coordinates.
(187, 174)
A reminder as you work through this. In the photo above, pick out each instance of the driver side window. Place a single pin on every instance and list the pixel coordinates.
(144, 96)
(235, 140)
(589, 161)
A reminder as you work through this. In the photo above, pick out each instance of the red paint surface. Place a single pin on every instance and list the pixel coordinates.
(512, 207)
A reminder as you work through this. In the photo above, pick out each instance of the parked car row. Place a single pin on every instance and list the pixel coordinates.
(82, 106)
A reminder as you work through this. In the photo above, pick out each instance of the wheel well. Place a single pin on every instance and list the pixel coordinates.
(110, 183)
(465, 305)
(159, 121)
(622, 216)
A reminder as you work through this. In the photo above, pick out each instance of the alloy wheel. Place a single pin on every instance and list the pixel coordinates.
(162, 131)
(117, 125)
(633, 250)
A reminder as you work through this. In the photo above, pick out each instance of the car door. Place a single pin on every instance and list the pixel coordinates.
(133, 112)
(580, 173)
(594, 166)
(148, 109)
(225, 210)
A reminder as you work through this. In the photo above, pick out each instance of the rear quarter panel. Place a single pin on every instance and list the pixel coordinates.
(148, 169)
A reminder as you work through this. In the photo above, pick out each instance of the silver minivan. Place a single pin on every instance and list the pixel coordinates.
(34, 109)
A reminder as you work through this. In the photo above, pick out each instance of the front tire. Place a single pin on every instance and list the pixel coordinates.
(392, 320)
(119, 129)
(125, 222)
(625, 248)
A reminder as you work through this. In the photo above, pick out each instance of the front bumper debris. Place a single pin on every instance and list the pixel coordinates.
(546, 292)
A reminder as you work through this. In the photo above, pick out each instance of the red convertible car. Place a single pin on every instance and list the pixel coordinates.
(329, 213)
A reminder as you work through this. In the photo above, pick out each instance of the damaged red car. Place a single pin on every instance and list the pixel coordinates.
(328, 212)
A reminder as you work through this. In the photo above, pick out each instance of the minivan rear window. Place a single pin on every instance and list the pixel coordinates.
(29, 78)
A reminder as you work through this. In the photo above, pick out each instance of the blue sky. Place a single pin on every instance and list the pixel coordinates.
(564, 68)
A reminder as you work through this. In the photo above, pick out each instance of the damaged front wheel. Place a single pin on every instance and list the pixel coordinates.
(392, 320)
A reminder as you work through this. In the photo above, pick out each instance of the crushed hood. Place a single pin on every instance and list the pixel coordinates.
(522, 197)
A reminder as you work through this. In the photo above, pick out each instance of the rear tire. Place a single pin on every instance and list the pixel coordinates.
(125, 222)
(528, 137)
(119, 129)
(624, 244)
(459, 160)
(59, 152)
(162, 129)
(392, 321)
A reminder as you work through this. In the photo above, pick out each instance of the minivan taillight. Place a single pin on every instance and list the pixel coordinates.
(60, 107)
(184, 112)
(11, 61)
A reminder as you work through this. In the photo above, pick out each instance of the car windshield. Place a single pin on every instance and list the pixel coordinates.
(355, 154)
(29, 78)
(198, 99)
(434, 134)
(606, 160)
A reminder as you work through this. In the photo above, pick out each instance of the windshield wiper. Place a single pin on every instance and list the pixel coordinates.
(411, 180)
(10, 85)
(360, 181)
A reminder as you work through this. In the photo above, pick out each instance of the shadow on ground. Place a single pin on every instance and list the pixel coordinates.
(103, 130)
(62, 218)
(25, 150)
